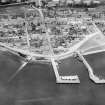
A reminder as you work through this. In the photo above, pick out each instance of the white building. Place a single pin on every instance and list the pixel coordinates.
(96, 2)
(70, 1)
(87, 2)
(77, 1)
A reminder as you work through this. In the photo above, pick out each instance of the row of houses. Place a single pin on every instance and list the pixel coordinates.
(88, 2)
(6, 1)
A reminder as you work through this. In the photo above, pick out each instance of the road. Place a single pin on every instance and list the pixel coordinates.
(36, 83)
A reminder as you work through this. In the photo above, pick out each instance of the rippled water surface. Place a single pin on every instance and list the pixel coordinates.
(35, 84)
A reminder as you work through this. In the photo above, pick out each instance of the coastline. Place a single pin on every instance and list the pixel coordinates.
(35, 84)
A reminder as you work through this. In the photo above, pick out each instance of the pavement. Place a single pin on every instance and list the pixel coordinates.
(36, 83)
